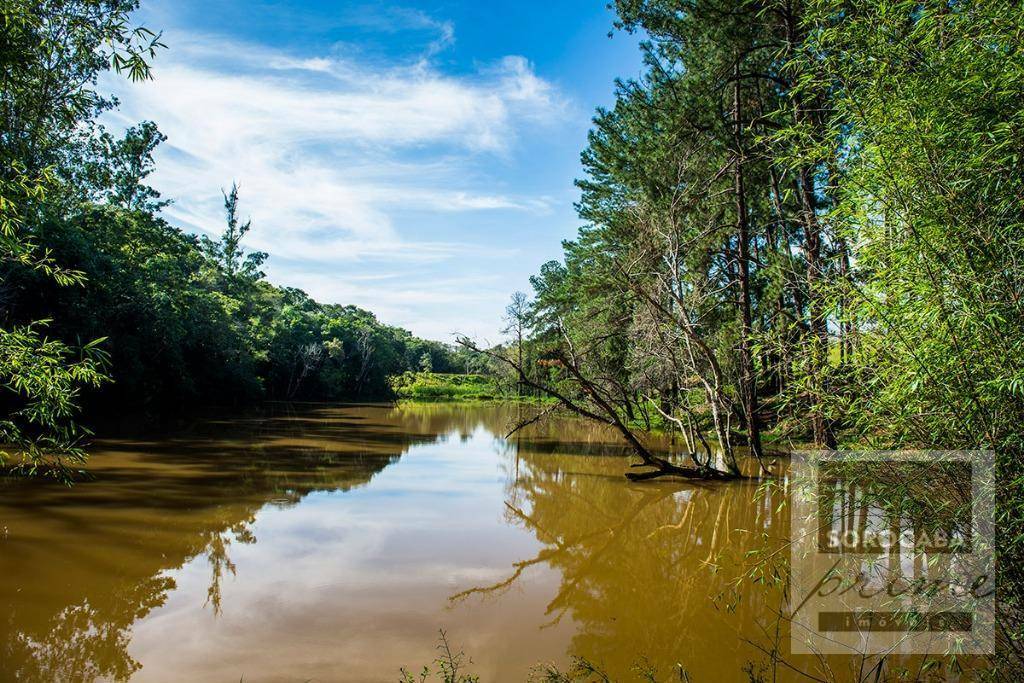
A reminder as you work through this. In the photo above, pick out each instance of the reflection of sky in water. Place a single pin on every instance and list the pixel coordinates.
(325, 544)
(361, 576)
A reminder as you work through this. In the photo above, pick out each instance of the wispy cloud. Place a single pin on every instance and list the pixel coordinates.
(402, 296)
(329, 150)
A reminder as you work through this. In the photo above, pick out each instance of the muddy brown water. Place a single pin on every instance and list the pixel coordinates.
(331, 543)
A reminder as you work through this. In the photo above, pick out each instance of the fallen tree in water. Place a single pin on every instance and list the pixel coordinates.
(597, 401)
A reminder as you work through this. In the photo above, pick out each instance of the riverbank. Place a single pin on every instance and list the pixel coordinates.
(443, 386)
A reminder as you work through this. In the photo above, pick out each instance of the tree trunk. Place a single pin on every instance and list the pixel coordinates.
(748, 377)
(519, 347)
(823, 434)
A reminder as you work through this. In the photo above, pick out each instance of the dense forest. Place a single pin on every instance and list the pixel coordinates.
(105, 306)
(803, 218)
(803, 226)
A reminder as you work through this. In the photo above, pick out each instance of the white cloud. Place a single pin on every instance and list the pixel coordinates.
(328, 150)
(400, 296)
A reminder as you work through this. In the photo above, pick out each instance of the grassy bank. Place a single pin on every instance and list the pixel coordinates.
(442, 386)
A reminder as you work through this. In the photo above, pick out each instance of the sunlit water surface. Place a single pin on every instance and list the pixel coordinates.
(331, 543)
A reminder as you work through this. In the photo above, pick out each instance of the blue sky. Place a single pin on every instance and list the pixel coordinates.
(415, 159)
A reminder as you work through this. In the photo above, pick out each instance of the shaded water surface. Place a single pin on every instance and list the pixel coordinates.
(330, 543)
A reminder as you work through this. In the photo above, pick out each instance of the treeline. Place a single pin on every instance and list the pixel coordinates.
(102, 301)
(806, 217)
(191, 320)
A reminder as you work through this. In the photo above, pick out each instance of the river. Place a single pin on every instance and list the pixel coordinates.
(333, 542)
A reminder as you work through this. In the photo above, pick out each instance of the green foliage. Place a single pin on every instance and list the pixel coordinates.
(426, 363)
(85, 254)
(42, 377)
(183, 327)
(872, 151)
(445, 386)
(584, 671)
(927, 116)
(853, 167)
(237, 270)
(448, 666)
(51, 53)
(930, 193)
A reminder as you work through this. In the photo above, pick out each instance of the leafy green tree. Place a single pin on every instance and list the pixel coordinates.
(51, 52)
(43, 377)
(115, 169)
(925, 116)
(238, 269)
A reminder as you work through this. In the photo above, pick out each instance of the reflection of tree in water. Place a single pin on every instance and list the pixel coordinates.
(84, 641)
(451, 418)
(636, 560)
(73, 620)
(641, 565)
(81, 629)
(217, 556)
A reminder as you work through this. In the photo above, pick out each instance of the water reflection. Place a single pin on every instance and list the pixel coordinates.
(330, 543)
(81, 566)
(647, 571)
(899, 535)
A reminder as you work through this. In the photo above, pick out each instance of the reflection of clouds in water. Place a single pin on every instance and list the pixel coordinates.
(375, 563)
(156, 503)
(196, 566)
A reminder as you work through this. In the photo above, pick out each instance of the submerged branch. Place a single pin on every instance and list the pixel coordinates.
(661, 466)
(531, 420)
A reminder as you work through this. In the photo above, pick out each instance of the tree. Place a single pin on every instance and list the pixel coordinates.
(517, 315)
(426, 363)
(115, 169)
(238, 270)
(926, 207)
(50, 54)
